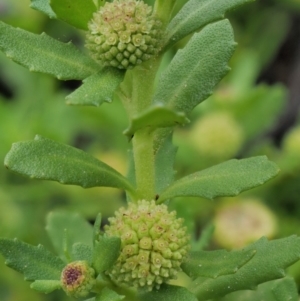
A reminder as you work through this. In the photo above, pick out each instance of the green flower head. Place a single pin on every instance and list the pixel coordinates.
(154, 243)
(124, 33)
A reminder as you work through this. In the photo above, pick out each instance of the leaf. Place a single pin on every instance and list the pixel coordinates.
(226, 179)
(196, 14)
(269, 262)
(36, 263)
(109, 295)
(81, 251)
(106, 252)
(74, 12)
(77, 228)
(41, 53)
(196, 69)
(205, 238)
(44, 7)
(97, 88)
(96, 228)
(45, 159)
(285, 290)
(156, 116)
(46, 286)
(169, 293)
(213, 264)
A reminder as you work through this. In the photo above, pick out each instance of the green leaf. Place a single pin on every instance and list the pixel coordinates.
(226, 179)
(97, 88)
(285, 290)
(41, 53)
(81, 251)
(78, 230)
(196, 14)
(45, 159)
(156, 116)
(96, 228)
(269, 262)
(109, 295)
(36, 263)
(46, 286)
(74, 12)
(169, 293)
(196, 69)
(205, 238)
(44, 7)
(213, 264)
(106, 252)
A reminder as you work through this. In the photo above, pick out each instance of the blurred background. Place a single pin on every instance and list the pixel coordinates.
(253, 112)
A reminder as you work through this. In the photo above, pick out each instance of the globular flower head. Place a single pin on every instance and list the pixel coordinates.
(123, 34)
(154, 243)
(77, 279)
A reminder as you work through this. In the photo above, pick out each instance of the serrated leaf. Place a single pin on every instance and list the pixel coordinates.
(106, 252)
(46, 286)
(285, 290)
(77, 229)
(197, 68)
(36, 263)
(269, 262)
(196, 14)
(74, 12)
(156, 116)
(213, 264)
(81, 251)
(169, 293)
(41, 53)
(109, 295)
(45, 159)
(226, 179)
(97, 88)
(44, 7)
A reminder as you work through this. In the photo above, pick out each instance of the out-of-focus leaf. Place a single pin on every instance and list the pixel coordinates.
(44, 7)
(213, 264)
(46, 286)
(197, 13)
(74, 12)
(106, 252)
(45, 159)
(169, 293)
(66, 229)
(269, 262)
(285, 290)
(36, 263)
(226, 179)
(196, 69)
(97, 88)
(41, 53)
(109, 295)
(156, 116)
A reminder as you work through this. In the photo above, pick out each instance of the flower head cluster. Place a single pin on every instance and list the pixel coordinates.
(123, 34)
(154, 243)
(77, 279)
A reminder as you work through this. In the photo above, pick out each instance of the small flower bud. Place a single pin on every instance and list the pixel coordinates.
(129, 25)
(77, 279)
(149, 254)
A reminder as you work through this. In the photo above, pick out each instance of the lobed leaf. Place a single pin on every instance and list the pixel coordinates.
(169, 293)
(44, 7)
(36, 263)
(197, 13)
(106, 252)
(74, 12)
(41, 53)
(269, 262)
(46, 286)
(213, 264)
(45, 159)
(226, 179)
(196, 69)
(97, 88)
(156, 116)
(59, 223)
